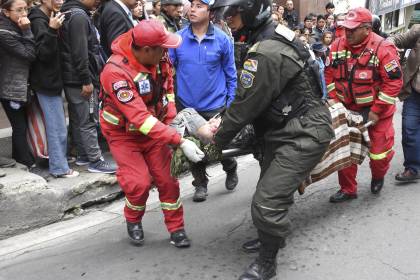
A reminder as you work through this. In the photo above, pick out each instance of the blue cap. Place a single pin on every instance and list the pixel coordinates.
(319, 47)
(207, 2)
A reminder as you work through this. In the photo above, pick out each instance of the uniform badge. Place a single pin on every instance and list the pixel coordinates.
(251, 65)
(144, 87)
(363, 75)
(391, 65)
(120, 84)
(164, 101)
(247, 79)
(125, 95)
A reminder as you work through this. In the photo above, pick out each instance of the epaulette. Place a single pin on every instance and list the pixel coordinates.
(254, 47)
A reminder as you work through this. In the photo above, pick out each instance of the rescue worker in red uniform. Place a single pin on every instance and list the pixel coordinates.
(364, 74)
(137, 106)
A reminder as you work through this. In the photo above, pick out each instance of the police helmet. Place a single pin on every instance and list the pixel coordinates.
(171, 2)
(253, 12)
(376, 24)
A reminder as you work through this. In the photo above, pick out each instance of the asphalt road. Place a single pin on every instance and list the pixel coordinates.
(373, 237)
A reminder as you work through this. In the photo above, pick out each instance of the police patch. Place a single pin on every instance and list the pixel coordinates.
(251, 65)
(391, 65)
(125, 95)
(144, 87)
(120, 84)
(247, 79)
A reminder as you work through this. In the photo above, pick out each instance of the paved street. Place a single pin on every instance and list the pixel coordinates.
(373, 237)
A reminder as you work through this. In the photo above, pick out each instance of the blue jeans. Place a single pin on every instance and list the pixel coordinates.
(411, 132)
(55, 124)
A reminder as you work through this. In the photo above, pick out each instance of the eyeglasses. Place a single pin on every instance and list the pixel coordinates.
(20, 10)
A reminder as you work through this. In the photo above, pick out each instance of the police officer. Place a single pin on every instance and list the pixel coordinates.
(364, 74)
(377, 26)
(138, 105)
(280, 92)
(170, 15)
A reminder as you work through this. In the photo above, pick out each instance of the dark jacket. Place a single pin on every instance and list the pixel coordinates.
(112, 22)
(291, 17)
(17, 51)
(80, 59)
(45, 71)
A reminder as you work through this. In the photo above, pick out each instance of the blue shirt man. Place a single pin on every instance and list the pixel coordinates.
(205, 80)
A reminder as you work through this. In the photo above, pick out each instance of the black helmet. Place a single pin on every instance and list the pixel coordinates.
(253, 12)
(376, 24)
(171, 2)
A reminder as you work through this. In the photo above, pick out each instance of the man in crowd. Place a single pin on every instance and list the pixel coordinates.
(206, 81)
(410, 93)
(319, 28)
(365, 75)
(330, 8)
(170, 14)
(81, 65)
(115, 18)
(296, 118)
(138, 105)
(290, 15)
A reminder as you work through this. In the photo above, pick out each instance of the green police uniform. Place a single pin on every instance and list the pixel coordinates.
(171, 25)
(282, 98)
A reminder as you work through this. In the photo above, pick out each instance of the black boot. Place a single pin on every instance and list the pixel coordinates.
(376, 185)
(341, 197)
(231, 177)
(200, 181)
(180, 239)
(135, 233)
(254, 245)
(200, 194)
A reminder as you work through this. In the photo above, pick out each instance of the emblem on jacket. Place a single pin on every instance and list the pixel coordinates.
(247, 79)
(251, 65)
(144, 87)
(125, 95)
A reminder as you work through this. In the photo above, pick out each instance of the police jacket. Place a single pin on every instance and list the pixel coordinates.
(366, 75)
(137, 101)
(275, 86)
(171, 24)
(80, 57)
(17, 51)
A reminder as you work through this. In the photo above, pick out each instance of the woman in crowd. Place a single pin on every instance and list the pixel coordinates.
(327, 39)
(17, 51)
(46, 82)
(280, 12)
(329, 21)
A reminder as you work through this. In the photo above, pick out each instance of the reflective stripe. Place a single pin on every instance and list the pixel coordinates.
(386, 98)
(171, 97)
(341, 97)
(110, 118)
(134, 207)
(140, 77)
(148, 125)
(171, 206)
(380, 156)
(363, 100)
(331, 87)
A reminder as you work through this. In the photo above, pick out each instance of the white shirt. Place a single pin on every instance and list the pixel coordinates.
(127, 11)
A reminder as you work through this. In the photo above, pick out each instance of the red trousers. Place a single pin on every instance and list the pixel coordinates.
(139, 164)
(380, 153)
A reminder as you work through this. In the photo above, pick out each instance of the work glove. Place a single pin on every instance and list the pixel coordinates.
(191, 151)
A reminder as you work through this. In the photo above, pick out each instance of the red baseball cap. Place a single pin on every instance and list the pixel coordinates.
(153, 33)
(355, 17)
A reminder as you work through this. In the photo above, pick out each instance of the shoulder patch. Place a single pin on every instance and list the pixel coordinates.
(391, 65)
(144, 87)
(120, 84)
(251, 65)
(125, 95)
(247, 79)
(254, 47)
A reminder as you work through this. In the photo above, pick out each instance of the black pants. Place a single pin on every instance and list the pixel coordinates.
(20, 147)
(198, 170)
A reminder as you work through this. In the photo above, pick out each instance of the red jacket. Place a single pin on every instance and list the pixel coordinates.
(366, 75)
(137, 101)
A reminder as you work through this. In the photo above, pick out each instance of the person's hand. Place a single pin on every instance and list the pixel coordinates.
(205, 133)
(56, 21)
(214, 123)
(191, 151)
(87, 90)
(373, 117)
(24, 23)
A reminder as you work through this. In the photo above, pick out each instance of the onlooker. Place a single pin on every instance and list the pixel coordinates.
(290, 15)
(319, 28)
(17, 51)
(280, 11)
(297, 31)
(81, 64)
(114, 18)
(206, 81)
(275, 18)
(309, 36)
(327, 39)
(170, 15)
(155, 9)
(338, 29)
(138, 12)
(307, 23)
(411, 109)
(47, 83)
(319, 51)
(330, 8)
(329, 21)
